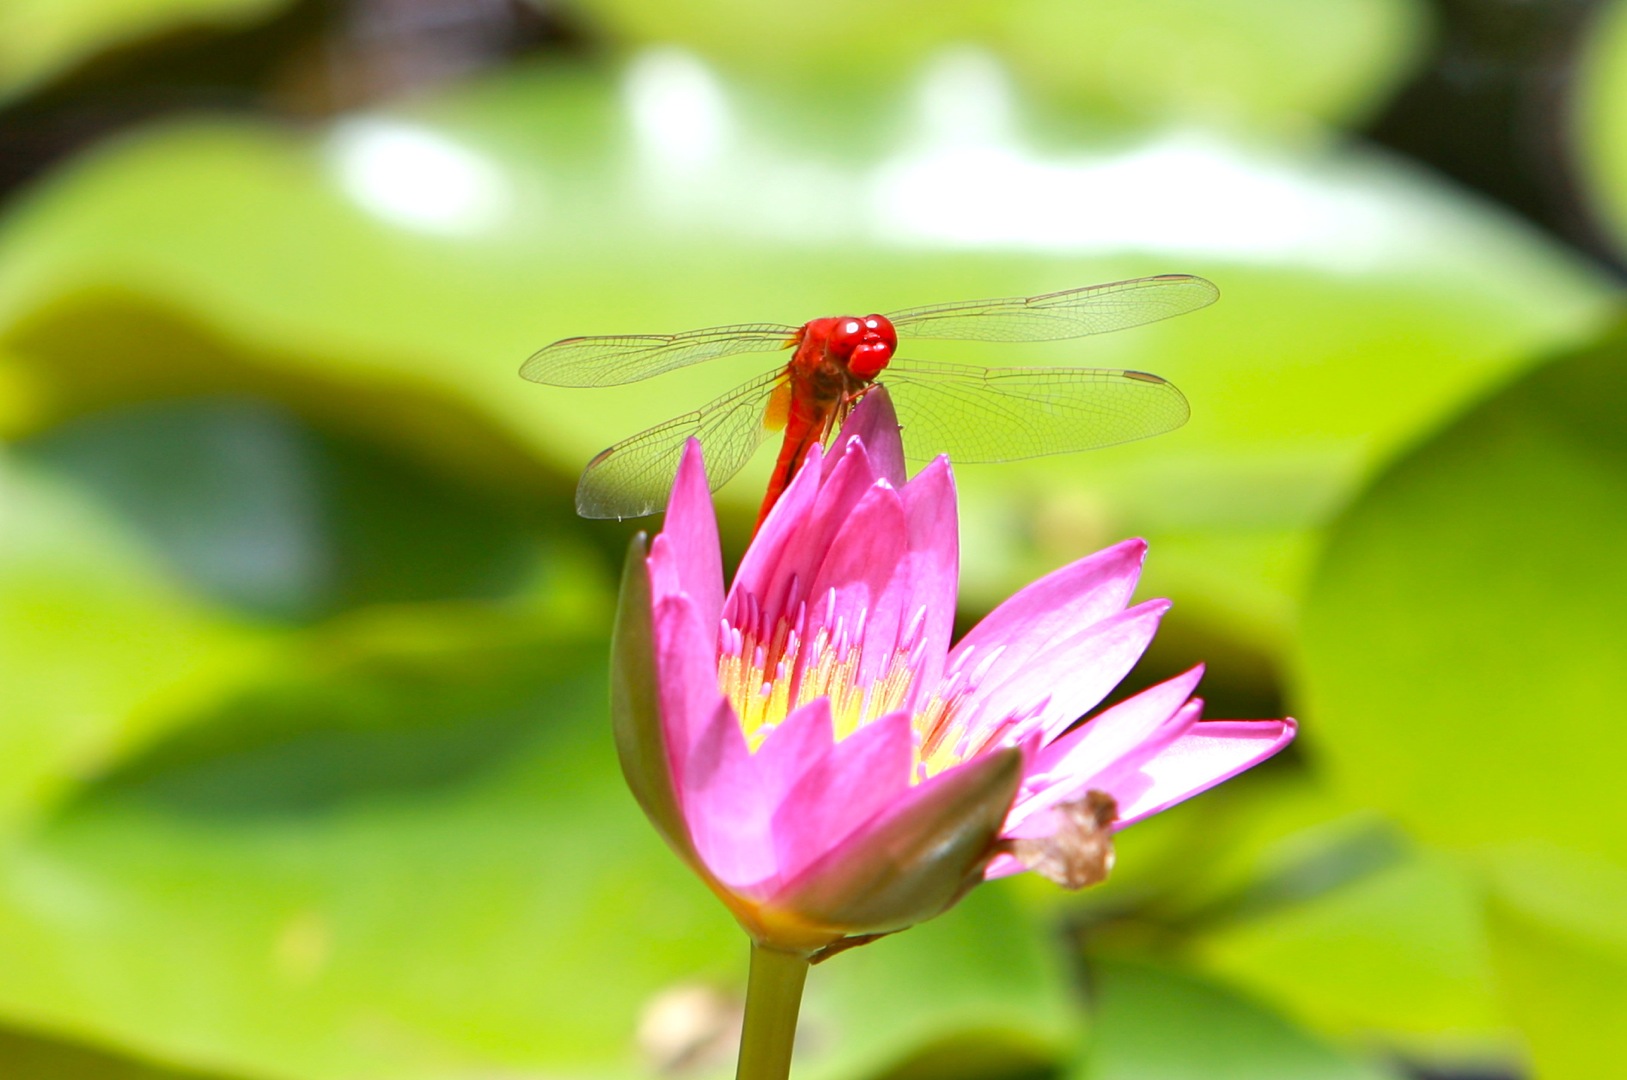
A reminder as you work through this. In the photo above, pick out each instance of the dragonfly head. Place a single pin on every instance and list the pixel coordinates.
(864, 345)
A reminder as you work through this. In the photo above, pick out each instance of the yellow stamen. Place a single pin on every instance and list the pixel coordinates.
(767, 681)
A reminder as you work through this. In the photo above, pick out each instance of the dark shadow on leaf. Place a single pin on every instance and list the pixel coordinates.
(256, 508)
(26, 1056)
(387, 728)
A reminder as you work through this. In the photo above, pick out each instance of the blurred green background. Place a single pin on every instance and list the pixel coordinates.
(305, 771)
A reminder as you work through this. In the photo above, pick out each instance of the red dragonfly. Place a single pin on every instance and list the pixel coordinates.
(974, 414)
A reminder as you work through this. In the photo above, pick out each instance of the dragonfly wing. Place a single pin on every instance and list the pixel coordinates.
(625, 358)
(634, 477)
(1095, 309)
(977, 414)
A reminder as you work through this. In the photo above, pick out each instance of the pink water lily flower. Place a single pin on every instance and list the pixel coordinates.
(809, 742)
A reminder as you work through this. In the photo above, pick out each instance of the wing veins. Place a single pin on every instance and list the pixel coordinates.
(1001, 414)
(1069, 313)
(614, 359)
(633, 477)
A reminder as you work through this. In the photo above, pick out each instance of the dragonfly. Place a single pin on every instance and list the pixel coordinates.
(974, 414)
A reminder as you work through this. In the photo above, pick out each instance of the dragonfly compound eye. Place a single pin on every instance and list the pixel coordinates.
(869, 359)
(847, 334)
(882, 329)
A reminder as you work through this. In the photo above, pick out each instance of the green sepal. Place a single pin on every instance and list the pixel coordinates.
(635, 705)
(916, 863)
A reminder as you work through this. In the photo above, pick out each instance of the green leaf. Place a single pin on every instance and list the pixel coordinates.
(1156, 1024)
(1599, 123)
(259, 511)
(1461, 647)
(163, 354)
(358, 713)
(26, 1056)
(1461, 665)
(100, 650)
(1570, 995)
(1327, 914)
(1402, 952)
(978, 992)
(123, 534)
(1258, 63)
(1559, 937)
(39, 38)
(1255, 64)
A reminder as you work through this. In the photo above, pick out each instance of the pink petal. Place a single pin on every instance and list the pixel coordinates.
(853, 594)
(874, 423)
(777, 532)
(1208, 753)
(795, 744)
(686, 662)
(1003, 866)
(1062, 679)
(1149, 726)
(1079, 594)
(780, 581)
(685, 556)
(636, 719)
(933, 570)
(857, 779)
(1116, 731)
(725, 805)
(1088, 756)
(914, 859)
(1123, 777)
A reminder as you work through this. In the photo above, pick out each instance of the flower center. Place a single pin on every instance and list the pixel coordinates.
(770, 668)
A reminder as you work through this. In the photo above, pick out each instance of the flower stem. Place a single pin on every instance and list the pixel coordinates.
(773, 996)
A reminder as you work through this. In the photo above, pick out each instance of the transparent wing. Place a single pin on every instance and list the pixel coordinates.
(979, 414)
(634, 477)
(625, 358)
(1094, 309)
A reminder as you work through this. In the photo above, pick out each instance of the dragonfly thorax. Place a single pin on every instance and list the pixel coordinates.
(861, 347)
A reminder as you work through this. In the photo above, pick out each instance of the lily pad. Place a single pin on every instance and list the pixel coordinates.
(989, 997)
(264, 513)
(1559, 935)
(1599, 123)
(1400, 957)
(1461, 663)
(39, 38)
(1257, 64)
(1459, 614)
(142, 549)
(1154, 1022)
(26, 1056)
(101, 650)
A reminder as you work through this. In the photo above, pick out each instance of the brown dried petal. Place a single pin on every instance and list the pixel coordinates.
(1080, 853)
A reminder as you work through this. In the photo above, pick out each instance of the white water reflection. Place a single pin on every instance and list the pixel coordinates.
(968, 180)
(681, 117)
(418, 178)
(964, 96)
(964, 176)
(1179, 193)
